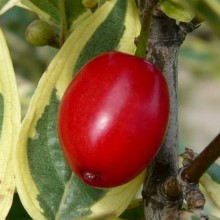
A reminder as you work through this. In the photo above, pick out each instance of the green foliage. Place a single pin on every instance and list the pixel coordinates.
(115, 23)
(58, 12)
(52, 174)
(206, 10)
(176, 11)
(29, 61)
(136, 213)
(57, 192)
(201, 47)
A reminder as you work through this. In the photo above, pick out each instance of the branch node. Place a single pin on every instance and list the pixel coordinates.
(171, 189)
(194, 197)
(188, 157)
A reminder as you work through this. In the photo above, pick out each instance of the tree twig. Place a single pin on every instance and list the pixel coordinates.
(203, 161)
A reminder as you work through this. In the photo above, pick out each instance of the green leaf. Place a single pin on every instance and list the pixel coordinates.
(47, 187)
(52, 174)
(208, 11)
(58, 12)
(136, 213)
(73, 10)
(5, 5)
(112, 30)
(176, 10)
(17, 211)
(10, 117)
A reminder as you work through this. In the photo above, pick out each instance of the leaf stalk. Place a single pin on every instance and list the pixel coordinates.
(146, 15)
(63, 23)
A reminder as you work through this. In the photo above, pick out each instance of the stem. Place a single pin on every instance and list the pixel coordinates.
(63, 23)
(203, 161)
(146, 15)
(54, 42)
(164, 41)
(163, 48)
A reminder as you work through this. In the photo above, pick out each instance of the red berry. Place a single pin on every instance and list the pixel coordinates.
(113, 118)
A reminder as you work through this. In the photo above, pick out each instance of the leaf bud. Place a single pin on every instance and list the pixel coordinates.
(40, 33)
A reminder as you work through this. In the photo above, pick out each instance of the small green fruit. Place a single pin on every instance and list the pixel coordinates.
(40, 33)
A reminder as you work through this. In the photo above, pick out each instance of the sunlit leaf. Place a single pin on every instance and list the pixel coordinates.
(176, 11)
(10, 117)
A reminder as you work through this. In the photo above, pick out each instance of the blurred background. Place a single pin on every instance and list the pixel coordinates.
(199, 89)
(199, 78)
(29, 62)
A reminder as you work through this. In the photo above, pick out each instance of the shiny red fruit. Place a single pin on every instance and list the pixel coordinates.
(113, 118)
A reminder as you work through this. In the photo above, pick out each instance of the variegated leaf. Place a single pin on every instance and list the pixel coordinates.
(10, 117)
(47, 187)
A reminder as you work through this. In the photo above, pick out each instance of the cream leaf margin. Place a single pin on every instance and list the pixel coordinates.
(10, 127)
(57, 76)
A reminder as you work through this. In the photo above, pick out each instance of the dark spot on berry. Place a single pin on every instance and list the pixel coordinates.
(90, 177)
